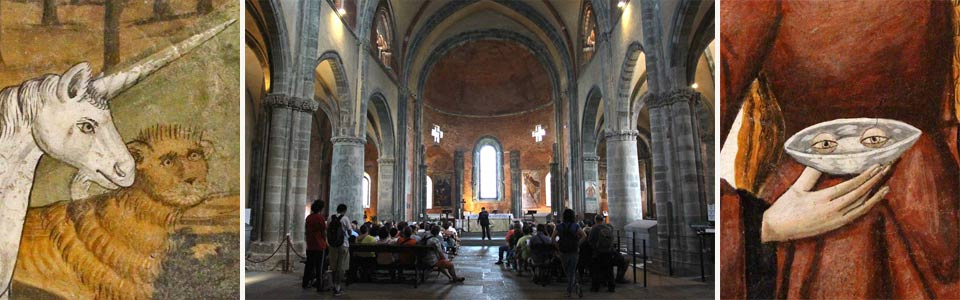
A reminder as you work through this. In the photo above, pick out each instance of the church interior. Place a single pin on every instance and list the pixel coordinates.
(432, 110)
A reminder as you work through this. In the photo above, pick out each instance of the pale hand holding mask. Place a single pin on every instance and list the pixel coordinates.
(801, 213)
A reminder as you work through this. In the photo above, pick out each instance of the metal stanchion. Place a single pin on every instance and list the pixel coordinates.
(703, 276)
(634, 244)
(670, 255)
(286, 263)
(618, 240)
(644, 263)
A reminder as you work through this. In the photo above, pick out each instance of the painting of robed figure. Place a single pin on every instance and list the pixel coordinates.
(839, 165)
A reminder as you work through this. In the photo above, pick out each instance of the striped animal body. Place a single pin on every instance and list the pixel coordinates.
(111, 246)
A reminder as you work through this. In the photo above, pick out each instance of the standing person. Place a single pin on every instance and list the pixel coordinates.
(316, 227)
(570, 236)
(337, 232)
(604, 250)
(484, 220)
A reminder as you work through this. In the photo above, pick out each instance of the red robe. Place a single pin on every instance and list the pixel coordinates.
(842, 59)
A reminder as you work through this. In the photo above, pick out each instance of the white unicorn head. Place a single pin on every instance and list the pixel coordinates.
(72, 123)
(78, 129)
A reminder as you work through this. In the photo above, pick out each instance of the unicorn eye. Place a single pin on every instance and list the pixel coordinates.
(87, 127)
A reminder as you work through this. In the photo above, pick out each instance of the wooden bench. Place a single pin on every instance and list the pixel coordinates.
(417, 251)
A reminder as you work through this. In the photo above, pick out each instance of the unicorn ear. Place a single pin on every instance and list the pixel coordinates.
(73, 84)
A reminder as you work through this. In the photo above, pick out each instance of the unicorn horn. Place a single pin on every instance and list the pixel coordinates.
(112, 85)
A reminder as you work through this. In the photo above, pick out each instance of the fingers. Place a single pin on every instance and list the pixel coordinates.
(849, 185)
(807, 179)
(862, 191)
(858, 210)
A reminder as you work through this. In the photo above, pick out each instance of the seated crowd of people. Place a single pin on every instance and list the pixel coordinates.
(547, 249)
(328, 244)
(443, 238)
(585, 247)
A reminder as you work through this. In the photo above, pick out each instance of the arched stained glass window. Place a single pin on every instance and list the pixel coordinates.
(547, 190)
(365, 190)
(429, 193)
(488, 170)
(381, 36)
(588, 33)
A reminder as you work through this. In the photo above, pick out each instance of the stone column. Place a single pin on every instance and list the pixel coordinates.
(420, 207)
(402, 182)
(623, 178)
(708, 169)
(680, 195)
(300, 161)
(346, 176)
(284, 199)
(556, 202)
(457, 183)
(515, 181)
(385, 186)
(591, 177)
(646, 177)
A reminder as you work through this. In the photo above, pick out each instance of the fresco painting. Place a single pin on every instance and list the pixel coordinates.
(839, 170)
(95, 90)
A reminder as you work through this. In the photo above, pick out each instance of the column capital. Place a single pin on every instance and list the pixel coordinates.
(625, 135)
(386, 160)
(347, 140)
(591, 157)
(276, 100)
(677, 95)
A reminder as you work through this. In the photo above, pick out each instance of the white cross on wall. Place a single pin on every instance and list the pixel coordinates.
(436, 133)
(538, 133)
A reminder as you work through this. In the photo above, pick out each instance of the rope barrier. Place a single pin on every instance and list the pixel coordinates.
(286, 241)
(271, 255)
(290, 244)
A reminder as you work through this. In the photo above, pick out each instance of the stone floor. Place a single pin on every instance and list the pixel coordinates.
(484, 280)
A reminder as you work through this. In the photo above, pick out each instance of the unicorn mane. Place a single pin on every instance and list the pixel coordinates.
(20, 104)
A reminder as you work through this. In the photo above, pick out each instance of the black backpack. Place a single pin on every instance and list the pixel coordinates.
(568, 239)
(335, 233)
(601, 238)
(423, 241)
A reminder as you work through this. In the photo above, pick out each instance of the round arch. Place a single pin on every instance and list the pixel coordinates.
(587, 18)
(339, 108)
(384, 119)
(370, 26)
(592, 115)
(269, 33)
(625, 88)
(482, 142)
(694, 23)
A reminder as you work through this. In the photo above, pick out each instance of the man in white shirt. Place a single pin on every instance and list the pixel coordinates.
(340, 251)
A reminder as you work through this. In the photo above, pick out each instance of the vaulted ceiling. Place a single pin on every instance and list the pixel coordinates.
(486, 57)
(487, 78)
